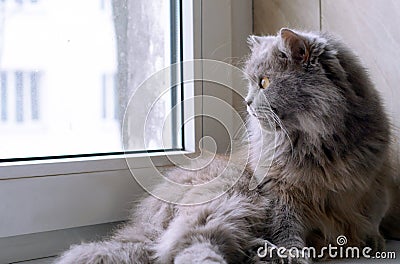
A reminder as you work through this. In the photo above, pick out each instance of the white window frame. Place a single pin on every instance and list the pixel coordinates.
(48, 195)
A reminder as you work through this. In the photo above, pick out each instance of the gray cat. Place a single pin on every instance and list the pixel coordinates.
(330, 174)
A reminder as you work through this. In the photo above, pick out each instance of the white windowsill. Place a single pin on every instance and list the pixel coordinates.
(54, 167)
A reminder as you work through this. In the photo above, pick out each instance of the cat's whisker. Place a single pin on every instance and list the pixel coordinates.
(279, 121)
(275, 117)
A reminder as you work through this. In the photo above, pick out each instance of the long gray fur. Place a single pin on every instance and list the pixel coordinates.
(332, 172)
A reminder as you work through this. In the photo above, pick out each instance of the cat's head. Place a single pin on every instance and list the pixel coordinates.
(297, 80)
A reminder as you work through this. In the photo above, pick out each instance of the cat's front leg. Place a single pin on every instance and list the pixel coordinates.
(287, 236)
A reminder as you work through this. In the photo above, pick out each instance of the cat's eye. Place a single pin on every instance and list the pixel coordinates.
(264, 83)
(282, 55)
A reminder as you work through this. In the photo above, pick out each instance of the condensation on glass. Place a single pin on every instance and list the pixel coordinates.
(68, 68)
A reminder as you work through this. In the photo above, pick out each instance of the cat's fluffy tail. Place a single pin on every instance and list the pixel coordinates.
(112, 252)
(108, 252)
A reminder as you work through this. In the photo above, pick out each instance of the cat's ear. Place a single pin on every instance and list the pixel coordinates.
(253, 41)
(297, 45)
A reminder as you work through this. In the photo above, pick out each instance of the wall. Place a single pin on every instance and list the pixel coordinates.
(225, 28)
(369, 27)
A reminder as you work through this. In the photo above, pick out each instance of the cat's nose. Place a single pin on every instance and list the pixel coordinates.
(248, 102)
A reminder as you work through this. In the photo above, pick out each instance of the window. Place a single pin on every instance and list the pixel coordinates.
(42, 195)
(68, 69)
(109, 97)
(19, 96)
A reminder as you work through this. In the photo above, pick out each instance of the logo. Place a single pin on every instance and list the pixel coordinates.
(155, 130)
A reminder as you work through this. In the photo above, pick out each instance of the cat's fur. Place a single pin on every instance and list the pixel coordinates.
(223, 230)
(335, 175)
(331, 173)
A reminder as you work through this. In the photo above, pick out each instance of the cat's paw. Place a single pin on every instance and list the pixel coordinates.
(300, 261)
(200, 253)
(376, 243)
(272, 257)
(291, 261)
(284, 261)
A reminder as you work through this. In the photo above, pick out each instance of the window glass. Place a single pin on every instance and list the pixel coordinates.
(69, 67)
